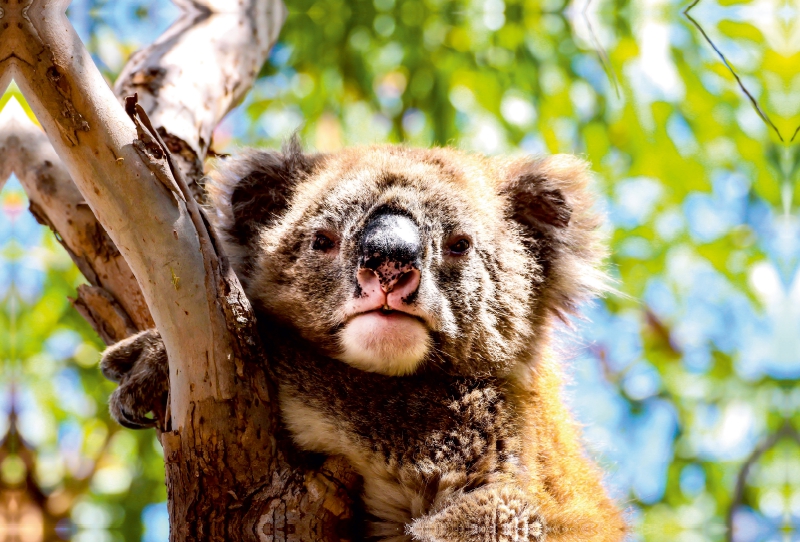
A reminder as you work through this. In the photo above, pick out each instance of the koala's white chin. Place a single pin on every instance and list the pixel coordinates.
(392, 344)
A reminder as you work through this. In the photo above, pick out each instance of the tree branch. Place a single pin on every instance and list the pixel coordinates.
(114, 304)
(171, 76)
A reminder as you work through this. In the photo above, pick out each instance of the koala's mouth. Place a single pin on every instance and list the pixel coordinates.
(387, 341)
(390, 314)
(388, 311)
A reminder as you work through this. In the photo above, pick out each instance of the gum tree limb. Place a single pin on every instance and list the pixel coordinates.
(171, 77)
(112, 303)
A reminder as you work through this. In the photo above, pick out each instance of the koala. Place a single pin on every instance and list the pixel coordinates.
(407, 299)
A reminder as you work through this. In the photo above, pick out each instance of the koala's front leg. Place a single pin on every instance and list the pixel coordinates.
(493, 513)
(139, 364)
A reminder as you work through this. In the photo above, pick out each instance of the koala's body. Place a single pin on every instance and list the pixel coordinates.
(406, 297)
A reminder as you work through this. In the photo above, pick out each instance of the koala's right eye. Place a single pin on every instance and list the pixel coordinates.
(323, 242)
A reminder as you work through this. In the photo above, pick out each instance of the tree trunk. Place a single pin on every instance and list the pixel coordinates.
(230, 472)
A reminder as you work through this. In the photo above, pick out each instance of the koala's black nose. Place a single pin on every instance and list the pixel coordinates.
(390, 237)
(391, 251)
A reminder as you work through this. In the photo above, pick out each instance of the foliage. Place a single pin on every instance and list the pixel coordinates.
(679, 377)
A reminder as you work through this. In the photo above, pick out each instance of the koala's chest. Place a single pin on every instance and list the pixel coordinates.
(434, 424)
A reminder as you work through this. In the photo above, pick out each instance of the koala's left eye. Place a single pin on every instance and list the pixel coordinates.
(323, 243)
(459, 246)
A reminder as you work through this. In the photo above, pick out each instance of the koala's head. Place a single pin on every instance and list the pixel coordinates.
(396, 260)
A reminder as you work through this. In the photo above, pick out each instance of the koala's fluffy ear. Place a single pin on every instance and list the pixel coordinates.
(551, 202)
(253, 189)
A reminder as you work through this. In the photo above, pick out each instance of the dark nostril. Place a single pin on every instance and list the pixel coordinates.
(388, 280)
(403, 281)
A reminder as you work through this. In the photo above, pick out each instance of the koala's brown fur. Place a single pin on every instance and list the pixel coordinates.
(475, 443)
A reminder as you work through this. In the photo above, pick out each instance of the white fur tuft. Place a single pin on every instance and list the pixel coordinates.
(393, 345)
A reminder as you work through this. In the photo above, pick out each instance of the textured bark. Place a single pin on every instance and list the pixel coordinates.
(230, 473)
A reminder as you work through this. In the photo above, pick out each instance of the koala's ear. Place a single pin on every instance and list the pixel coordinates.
(254, 188)
(551, 203)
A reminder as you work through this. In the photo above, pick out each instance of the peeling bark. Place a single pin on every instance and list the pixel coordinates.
(231, 474)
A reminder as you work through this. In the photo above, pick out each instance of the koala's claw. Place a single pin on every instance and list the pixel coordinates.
(139, 363)
(128, 415)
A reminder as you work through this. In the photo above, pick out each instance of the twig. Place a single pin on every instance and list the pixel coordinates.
(786, 431)
(753, 101)
(601, 52)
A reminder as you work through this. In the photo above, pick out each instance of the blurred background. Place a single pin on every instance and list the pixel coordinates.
(686, 382)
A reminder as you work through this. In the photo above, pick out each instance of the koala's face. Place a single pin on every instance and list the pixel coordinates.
(396, 260)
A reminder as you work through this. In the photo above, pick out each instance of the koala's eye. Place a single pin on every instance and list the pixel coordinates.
(323, 242)
(459, 246)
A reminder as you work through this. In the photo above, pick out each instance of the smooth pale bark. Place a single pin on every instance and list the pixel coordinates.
(228, 475)
(172, 78)
(5, 162)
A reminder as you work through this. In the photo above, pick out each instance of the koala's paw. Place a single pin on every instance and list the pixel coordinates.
(488, 514)
(139, 364)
